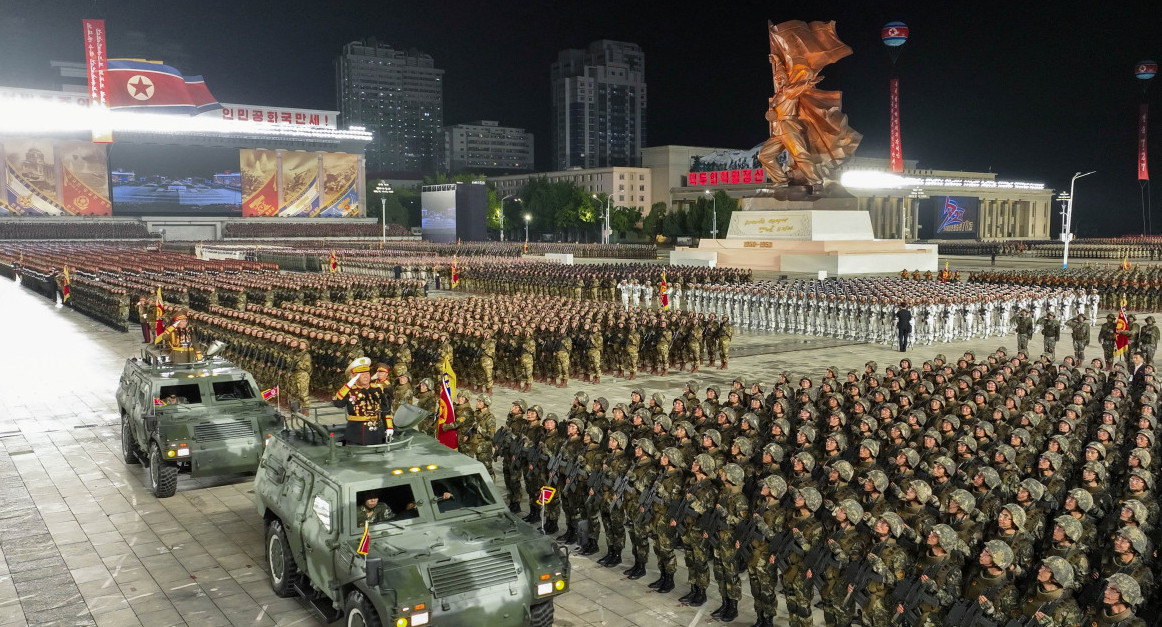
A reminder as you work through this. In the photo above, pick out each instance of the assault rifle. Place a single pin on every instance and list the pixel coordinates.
(968, 612)
(782, 546)
(555, 464)
(858, 575)
(818, 561)
(533, 455)
(1047, 608)
(621, 486)
(646, 503)
(679, 511)
(911, 593)
(516, 453)
(713, 521)
(598, 481)
(500, 441)
(571, 472)
(746, 534)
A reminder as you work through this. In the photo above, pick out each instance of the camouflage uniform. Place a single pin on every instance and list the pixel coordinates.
(701, 497)
(642, 475)
(807, 532)
(733, 506)
(672, 486)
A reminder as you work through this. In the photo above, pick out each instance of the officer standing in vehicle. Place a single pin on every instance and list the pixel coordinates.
(364, 404)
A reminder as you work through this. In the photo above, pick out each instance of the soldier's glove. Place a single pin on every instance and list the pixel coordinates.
(878, 565)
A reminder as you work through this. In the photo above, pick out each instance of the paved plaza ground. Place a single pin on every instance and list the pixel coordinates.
(83, 542)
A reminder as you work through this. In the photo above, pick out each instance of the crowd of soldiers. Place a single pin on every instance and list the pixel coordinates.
(991, 490)
(864, 309)
(1118, 248)
(1141, 287)
(604, 282)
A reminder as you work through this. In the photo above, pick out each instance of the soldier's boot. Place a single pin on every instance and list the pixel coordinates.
(665, 371)
(667, 583)
(608, 556)
(614, 558)
(570, 535)
(527, 387)
(585, 377)
(633, 375)
(597, 378)
(620, 373)
(723, 366)
(760, 619)
(590, 547)
(699, 599)
(657, 583)
(694, 368)
(534, 515)
(717, 613)
(488, 390)
(685, 598)
(551, 526)
(637, 571)
(731, 611)
(563, 384)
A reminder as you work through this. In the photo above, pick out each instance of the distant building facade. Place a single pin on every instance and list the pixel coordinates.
(599, 106)
(628, 187)
(397, 95)
(486, 146)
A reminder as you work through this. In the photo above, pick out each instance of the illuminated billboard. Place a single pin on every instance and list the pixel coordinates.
(43, 177)
(298, 184)
(746, 176)
(949, 217)
(158, 180)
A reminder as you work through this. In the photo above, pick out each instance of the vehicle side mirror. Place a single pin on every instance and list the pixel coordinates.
(374, 571)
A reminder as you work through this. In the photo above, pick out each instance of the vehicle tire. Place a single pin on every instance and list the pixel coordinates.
(283, 569)
(541, 614)
(128, 447)
(163, 476)
(358, 612)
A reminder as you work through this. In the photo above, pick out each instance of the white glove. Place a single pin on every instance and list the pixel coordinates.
(353, 381)
(388, 433)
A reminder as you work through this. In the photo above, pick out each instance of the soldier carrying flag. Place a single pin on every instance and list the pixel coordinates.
(447, 414)
(664, 292)
(334, 262)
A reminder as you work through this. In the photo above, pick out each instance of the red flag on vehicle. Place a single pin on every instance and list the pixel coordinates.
(547, 494)
(365, 541)
(269, 394)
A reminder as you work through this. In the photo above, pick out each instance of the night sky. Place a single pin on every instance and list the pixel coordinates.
(1034, 91)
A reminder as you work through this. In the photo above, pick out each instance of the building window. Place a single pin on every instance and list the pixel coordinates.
(621, 197)
(621, 176)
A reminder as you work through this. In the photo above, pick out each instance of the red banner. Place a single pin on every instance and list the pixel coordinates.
(897, 149)
(98, 68)
(79, 200)
(1143, 168)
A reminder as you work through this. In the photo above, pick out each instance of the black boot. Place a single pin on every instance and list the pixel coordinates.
(550, 526)
(534, 516)
(638, 571)
(590, 548)
(570, 535)
(615, 559)
(657, 583)
(689, 595)
(761, 619)
(699, 599)
(605, 558)
(667, 584)
(731, 611)
(769, 621)
(717, 613)
(514, 507)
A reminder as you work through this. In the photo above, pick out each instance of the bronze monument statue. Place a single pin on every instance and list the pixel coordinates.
(809, 132)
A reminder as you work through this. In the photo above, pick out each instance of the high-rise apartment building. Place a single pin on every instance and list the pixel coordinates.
(599, 106)
(397, 95)
(486, 146)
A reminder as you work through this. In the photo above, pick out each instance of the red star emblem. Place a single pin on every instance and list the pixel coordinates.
(140, 87)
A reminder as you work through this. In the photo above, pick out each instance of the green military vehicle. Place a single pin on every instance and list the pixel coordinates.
(203, 418)
(441, 548)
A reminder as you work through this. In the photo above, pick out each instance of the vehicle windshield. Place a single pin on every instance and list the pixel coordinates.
(233, 390)
(185, 394)
(394, 503)
(453, 493)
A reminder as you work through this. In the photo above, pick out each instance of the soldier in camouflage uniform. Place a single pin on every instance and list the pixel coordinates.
(1051, 600)
(616, 464)
(479, 440)
(642, 474)
(1079, 331)
(733, 507)
(701, 497)
(510, 464)
(891, 562)
(847, 543)
(1119, 598)
(1107, 337)
(527, 349)
(301, 375)
(940, 565)
(553, 442)
(806, 533)
(1148, 340)
(571, 496)
(990, 584)
(671, 486)
(589, 528)
(531, 464)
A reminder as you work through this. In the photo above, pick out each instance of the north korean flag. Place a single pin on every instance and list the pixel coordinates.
(151, 86)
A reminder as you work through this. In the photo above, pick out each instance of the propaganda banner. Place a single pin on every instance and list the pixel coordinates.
(340, 185)
(300, 184)
(84, 179)
(259, 182)
(1143, 167)
(31, 176)
(896, 147)
(97, 64)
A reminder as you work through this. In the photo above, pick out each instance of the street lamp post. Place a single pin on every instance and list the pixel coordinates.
(502, 215)
(527, 218)
(605, 219)
(1067, 224)
(916, 195)
(713, 215)
(383, 188)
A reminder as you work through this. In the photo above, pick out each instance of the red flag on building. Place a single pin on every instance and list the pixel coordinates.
(159, 312)
(334, 263)
(455, 273)
(1122, 337)
(65, 288)
(664, 292)
(447, 415)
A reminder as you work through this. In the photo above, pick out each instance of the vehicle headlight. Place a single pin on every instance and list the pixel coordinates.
(183, 452)
(401, 622)
(420, 619)
(559, 585)
(544, 588)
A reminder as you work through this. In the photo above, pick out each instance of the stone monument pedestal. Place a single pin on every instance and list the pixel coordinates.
(810, 235)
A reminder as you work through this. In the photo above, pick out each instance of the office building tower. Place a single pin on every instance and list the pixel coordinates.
(599, 106)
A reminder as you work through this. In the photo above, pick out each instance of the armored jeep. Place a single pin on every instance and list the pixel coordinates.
(444, 551)
(203, 418)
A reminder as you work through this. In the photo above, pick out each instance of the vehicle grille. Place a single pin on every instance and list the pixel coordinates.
(210, 432)
(482, 572)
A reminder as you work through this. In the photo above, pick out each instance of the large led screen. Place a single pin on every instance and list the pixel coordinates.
(439, 213)
(949, 217)
(158, 180)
